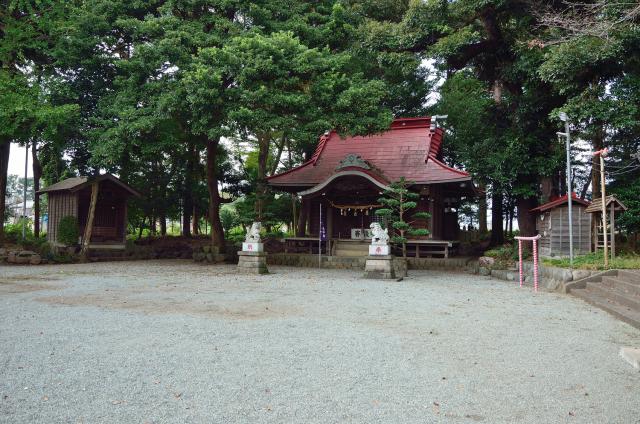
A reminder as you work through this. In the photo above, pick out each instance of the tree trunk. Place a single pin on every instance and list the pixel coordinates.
(163, 224)
(497, 232)
(144, 218)
(526, 220)
(187, 198)
(88, 229)
(261, 186)
(585, 187)
(5, 148)
(217, 232)
(37, 174)
(276, 159)
(549, 189)
(482, 210)
(196, 219)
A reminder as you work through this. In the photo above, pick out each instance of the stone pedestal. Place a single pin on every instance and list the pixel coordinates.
(379, 250)
(252, 262)
(379, 266)
(252, 247)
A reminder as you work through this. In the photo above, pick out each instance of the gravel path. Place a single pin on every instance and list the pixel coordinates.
(174, 342)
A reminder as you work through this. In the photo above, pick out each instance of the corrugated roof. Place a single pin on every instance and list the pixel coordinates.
(559, 202)
(408, 149)
(78, 183)
(67, 184)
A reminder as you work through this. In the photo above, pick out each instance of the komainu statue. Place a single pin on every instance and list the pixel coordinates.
(379, 236)
(253, 236)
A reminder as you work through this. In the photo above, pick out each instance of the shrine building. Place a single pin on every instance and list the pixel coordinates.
(345, 177)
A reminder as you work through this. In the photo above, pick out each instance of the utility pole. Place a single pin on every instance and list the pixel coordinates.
(565, 118)
(602, 153)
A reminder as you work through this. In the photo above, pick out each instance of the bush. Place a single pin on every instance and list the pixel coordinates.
(507, 255)
(236, 234)
(13, 232)
(68, 231)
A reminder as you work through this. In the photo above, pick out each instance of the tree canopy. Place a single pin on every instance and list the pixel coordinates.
(196, 103)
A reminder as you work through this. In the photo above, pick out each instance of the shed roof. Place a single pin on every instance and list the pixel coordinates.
(596, 205)
(560, 201)
(408, 149)
(74, 184)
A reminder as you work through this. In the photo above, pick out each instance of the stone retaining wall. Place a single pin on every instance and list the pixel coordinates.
(549, 278)
(340, 262)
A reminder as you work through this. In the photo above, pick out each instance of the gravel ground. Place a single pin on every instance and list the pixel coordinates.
(174, 342)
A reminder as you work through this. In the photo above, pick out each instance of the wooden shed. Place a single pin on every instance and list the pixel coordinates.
(552, 223)
(613, 206)
(72, 197)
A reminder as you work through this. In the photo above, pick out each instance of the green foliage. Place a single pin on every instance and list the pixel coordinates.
(507, 255)
(595, 261)
(68, 231)
(398, 201)
(229, 218)
(13, 232)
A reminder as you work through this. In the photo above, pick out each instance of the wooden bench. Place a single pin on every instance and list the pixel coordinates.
(431, 247)
(303, 245)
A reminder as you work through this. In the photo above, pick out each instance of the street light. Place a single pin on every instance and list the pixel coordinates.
(565, 119)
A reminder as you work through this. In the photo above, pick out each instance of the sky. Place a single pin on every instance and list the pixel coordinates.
(16, 161)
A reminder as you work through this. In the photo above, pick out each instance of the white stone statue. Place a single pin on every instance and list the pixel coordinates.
(380, 237)
(253, 236)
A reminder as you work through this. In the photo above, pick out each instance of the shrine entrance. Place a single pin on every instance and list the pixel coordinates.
(347, 203)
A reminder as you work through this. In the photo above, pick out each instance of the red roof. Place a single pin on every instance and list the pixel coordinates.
(559, 202)
(408, 149)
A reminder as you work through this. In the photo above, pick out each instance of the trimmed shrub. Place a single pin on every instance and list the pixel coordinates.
(68, 231)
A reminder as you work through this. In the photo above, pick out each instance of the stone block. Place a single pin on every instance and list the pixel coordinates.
(486, 261)
(253, 247)
(631, 355)
(579, 274)
(379, 267)
(206, 249)
(375, 250)
(252, 262)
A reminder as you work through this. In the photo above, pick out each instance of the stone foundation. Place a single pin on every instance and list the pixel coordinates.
(344, 262)
(380, 266)
(252, 262)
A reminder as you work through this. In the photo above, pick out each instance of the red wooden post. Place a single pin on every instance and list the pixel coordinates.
(534, 239)
(520, 259)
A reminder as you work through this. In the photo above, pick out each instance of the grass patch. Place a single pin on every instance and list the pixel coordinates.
(595, 261)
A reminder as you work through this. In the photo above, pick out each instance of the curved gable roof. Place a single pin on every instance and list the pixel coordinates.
(408, 149)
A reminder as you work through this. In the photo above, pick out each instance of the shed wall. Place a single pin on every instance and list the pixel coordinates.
(61, 204)
(553, 226)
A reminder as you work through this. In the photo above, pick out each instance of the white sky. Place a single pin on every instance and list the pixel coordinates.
(16, 161)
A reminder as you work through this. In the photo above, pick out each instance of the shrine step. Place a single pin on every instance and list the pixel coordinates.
(631, 288)
(623, 313)
(351, 249)
(617, 294)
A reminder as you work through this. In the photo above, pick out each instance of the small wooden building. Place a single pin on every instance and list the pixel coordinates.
(613, 206)
(72, 197)
(552, 223)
